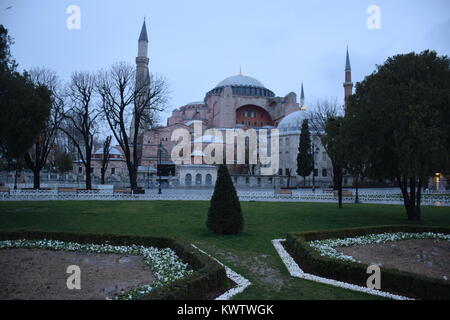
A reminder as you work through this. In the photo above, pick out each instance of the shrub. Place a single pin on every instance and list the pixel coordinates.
(225, 214)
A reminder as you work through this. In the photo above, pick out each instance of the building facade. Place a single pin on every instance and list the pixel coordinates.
(237, 102)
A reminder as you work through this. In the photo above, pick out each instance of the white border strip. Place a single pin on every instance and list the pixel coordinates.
(242, 283)
(295, 271)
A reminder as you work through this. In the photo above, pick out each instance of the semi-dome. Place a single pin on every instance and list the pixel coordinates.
(292, 123)
(240, 81)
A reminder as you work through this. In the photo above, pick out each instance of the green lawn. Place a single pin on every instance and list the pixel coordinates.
(250, 253)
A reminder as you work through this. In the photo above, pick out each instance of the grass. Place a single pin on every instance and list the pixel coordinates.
(250, 253)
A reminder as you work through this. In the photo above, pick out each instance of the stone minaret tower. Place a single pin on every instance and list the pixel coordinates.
(348, 84)
(302, 99)
(142, 60)
(142, 71)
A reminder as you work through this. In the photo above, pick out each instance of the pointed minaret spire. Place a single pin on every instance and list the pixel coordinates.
(142, 70)
(348, 84)
(143, 42)
(143, 36)
(348, 66)
(240, 70)
(302, 98)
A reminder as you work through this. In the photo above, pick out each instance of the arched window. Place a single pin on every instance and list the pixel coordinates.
(188, 179)
(198, 179)
(208, 179)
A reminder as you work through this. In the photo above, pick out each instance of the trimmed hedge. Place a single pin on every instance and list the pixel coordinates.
(394, 281)
(208, 276)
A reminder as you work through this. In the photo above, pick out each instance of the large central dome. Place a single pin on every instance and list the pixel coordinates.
(240, 81)
(242, 86)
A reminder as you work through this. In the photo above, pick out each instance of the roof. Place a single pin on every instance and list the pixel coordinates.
(348, 66)
(208, 139)
(147, 169)
(240, 80)
(292, 123)
(143, 36)
(112, 151)
(196, 103)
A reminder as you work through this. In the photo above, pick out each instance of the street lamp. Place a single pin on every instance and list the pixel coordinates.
(159, 167)
(148, 176)
(314, 152)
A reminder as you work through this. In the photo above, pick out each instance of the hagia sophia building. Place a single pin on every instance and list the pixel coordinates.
(238, 101)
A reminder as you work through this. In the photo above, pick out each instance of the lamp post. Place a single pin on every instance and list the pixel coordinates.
(314, 168)
(148, 176)
(159, 167)
(314, 152)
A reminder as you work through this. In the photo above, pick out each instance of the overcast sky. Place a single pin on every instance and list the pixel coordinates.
(198, 43)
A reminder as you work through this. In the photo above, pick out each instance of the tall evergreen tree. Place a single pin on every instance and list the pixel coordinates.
(305, 160)
(24, 107)
(399, 120)
(225, 214)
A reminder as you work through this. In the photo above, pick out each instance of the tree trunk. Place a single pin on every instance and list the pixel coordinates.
(133, 178)
(357, 190)
(412, 199)
(36, 178)
(88, 179)
(340, 191)
(103, 177)
(16, 173)
(338, 181)
(88, 174)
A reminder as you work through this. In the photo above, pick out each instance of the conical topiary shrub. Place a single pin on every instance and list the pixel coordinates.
(225, 214)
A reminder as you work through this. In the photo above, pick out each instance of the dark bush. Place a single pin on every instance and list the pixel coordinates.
(225, 213)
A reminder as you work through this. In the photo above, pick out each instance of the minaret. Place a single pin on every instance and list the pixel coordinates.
(348, 84)
(302, 99)
(142, 71)
(142, 60)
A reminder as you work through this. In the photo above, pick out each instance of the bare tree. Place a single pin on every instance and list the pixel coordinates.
(319, 120)
(80, 118)
(105, 157)
(36, 157)
(324, 110)
(130, 107)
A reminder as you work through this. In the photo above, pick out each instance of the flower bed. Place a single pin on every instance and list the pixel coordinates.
(181, 271)
(326, 248)
(326, 263)
(164, 263)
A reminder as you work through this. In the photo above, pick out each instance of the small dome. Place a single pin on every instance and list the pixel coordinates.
(240, 81)
(209, 140)
(112, 151)
(292, 123)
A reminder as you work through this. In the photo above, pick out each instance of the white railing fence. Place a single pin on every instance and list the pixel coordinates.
(435, 199)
